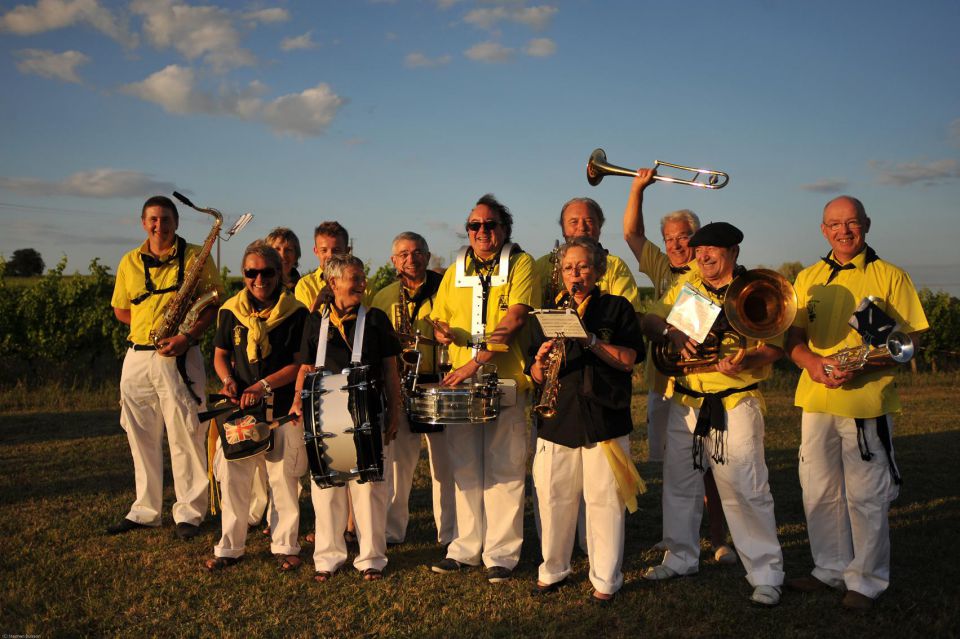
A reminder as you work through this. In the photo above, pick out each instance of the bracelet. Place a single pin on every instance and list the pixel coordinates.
(266, 386)
(226, 379)
(593, 341)
(477, 361)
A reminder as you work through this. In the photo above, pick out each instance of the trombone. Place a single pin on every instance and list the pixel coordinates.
(598, 168)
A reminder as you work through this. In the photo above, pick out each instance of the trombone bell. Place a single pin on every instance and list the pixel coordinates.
(598, 168)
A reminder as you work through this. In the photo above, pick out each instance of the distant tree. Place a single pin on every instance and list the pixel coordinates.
(942, 341)
(383, 276)
(25, 262)
(790, 270)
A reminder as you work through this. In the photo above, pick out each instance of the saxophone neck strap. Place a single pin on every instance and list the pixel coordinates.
(150, 262)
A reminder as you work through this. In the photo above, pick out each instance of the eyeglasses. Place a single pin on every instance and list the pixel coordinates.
(576, 269)
(417, 254)
(487, 226)
(676, 238)
(853, 225)
(265, 273)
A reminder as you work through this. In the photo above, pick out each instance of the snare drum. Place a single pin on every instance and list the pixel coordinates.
(465, 404)
(341, 427)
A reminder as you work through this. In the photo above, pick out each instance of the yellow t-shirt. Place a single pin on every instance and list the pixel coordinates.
(309, 287)
(715, 382)
(618, 280)
(823, 311)
(131, 284)
(454, 304)
(655, 264)
(387, 300)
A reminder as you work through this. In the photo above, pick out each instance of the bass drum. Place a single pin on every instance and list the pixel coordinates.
(342, 428)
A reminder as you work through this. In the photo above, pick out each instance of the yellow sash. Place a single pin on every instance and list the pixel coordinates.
(629, 482)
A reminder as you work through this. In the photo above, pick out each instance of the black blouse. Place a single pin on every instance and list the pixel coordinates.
(379, 341)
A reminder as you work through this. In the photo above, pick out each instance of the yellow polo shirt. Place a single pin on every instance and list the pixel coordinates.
(618, 280)
(309, 287)
(655, 264)
(715, 382)
(453, 305)
(130, 284)
(388, 301)
(823, 311)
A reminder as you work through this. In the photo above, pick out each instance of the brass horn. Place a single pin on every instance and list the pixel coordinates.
(759, 304)
(598, 168)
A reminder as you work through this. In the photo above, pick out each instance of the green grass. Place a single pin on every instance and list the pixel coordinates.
(67, 474)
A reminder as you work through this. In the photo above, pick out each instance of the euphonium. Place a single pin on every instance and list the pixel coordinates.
(547, 406)
(181, 313)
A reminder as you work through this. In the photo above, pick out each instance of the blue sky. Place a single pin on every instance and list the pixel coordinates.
(393, 116)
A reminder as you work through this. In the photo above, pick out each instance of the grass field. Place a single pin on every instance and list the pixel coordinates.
(67, 475)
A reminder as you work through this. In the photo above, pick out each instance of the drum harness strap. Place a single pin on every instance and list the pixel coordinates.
(481, 284)
(357, 337)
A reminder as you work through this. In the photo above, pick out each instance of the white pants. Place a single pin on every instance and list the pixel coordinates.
(846, 500)
(153, 396)
(563, 477)
(284, 465)
(398, 477)
(744, 492)
(369, 501)
(259, 494)
(489, 465)
(658, 412)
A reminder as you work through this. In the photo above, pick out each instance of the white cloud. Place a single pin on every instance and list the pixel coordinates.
(196, 32)
(98, 183)
(489, 52)
(49, 15)
(418, 59)
(541, 48)
(826, 185)
(275, 14)
(303, 114)
(534, 17)
(905, 173)
(47, 64)
(293, 43)
(307, 113)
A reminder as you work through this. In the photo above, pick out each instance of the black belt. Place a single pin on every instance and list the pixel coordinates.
(142, 347)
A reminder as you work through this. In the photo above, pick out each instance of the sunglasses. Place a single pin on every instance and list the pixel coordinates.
(265, 273)
(487, 226)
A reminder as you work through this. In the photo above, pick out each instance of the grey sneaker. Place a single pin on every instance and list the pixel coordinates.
(498, 574)
(447, 566)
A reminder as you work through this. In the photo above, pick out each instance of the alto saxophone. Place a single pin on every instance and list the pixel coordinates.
(410, 356)
(547, 406)
(181, 313)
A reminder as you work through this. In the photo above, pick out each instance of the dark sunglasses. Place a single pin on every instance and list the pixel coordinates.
(265, 273)
(487, 226)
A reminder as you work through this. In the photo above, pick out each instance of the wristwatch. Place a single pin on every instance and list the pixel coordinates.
(266, 386)
(593, 341)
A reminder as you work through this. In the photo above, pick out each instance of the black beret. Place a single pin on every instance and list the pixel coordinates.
(719, 234)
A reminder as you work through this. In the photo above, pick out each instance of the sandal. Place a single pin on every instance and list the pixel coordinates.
(288, 563)
(219, 563)
(322, 576)
(372, 574)
(310, 538)
(350, 537)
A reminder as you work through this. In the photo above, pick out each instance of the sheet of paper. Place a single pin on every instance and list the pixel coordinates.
(560, 322)
(693, 313)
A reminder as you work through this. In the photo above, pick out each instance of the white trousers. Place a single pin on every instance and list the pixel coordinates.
(563, 477)
(369, 501)
(658, 412)
(153, 397)
(283, 467)
(846, 500)
(398, 476)
(259, 493)
(489, 466)
(744, 492)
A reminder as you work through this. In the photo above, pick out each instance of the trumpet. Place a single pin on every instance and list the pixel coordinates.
(598, 168)
(899, 347)
(759, 304)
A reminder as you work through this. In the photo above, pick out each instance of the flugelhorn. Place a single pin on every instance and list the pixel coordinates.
(899, 347)
(759, 304)
(598, 168)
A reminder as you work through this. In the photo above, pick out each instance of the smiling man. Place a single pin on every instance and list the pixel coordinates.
(329, 238)
(847, 468)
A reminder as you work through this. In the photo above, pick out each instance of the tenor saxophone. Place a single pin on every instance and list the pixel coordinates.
(547, 406)
(181, 313)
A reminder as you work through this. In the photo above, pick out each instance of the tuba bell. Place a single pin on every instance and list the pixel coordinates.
(759, 304)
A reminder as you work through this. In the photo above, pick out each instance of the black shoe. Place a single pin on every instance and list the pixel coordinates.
(539, 590)
(187, 531)
(125, 525)
(447, 566)
(498, 574)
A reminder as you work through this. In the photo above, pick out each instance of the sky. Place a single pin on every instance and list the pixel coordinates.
(391, 116)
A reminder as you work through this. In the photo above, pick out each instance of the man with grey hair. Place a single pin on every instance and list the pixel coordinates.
(663, 269)
(408, 303)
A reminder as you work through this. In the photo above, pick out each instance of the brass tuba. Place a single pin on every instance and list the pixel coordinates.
(759, 304)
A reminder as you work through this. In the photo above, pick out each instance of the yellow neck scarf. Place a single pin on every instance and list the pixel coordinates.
(260, 323)
(338, 321)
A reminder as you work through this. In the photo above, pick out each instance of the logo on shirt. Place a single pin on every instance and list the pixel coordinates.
(812, 310)
(604, 334)
(503, 302)
(237, 335)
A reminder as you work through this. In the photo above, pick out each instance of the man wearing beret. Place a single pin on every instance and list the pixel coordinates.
(716, 420)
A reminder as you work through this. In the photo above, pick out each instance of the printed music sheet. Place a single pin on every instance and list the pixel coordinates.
(693, 313)
(560, 323)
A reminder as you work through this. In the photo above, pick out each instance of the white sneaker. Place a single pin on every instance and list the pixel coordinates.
(659, 573)
(725, 555)
(766, 596)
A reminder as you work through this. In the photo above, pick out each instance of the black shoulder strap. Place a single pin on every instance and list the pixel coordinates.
(150, 261)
